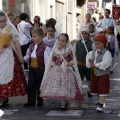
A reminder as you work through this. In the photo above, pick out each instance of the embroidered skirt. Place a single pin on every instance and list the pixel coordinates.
(58, 84)
(17, 86)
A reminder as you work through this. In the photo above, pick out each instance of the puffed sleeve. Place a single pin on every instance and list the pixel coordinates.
(15, 36)
(106, 61)
(88, 56)
(69, 57)
(27, 56)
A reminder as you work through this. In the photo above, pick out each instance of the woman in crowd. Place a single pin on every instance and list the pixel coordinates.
(12, 79)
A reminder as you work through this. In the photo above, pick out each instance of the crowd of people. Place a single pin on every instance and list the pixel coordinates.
(56, 68)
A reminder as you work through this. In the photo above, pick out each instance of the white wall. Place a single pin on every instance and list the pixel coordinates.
(118, 2)
(1, 5)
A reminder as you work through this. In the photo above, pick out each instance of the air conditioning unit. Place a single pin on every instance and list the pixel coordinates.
(93, 0)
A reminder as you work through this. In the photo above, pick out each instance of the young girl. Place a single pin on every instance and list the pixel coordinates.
(100, 60)
(51, 22)
(50, 40)
(112, 43)
(12, 78)
(51, 37)
(92, 32)
(61, 78)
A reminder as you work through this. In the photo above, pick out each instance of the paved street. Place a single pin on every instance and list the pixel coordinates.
(76, 111)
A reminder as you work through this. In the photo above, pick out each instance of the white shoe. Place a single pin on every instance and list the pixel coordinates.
(104, 105)
(99, 109)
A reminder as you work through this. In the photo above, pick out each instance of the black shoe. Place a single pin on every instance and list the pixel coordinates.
(111, 72)
(40, 104)
(63, 107)
(29, 104)
(5, 102)
(89, 94)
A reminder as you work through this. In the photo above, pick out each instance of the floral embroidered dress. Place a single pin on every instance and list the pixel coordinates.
(12, 78)
(60, 81)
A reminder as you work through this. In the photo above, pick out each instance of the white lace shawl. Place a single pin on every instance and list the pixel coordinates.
(6, 57)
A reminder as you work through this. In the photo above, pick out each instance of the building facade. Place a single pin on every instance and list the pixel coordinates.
(64, 11)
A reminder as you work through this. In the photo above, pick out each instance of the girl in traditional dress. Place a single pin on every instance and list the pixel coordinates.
(50, 40)
(61, 78)
(12, 78)
(50, 21)
(112, 43)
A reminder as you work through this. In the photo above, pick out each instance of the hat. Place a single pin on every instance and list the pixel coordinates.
(36, 18)
(84, 29)
(101, 37)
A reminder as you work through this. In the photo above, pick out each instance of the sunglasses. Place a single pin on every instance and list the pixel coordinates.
(10, 15)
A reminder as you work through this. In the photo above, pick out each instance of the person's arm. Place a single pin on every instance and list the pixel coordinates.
(106, 61)
(18, 48)
(99, 24)
(93, 46)
(116, 45)
(99, 29)
(30, 27)
(115, 29)
(74, 48)
(27, 56)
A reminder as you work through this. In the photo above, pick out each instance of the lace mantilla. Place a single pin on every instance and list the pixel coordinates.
(6, 65)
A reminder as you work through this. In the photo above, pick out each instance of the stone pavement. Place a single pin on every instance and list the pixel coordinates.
(76, 111)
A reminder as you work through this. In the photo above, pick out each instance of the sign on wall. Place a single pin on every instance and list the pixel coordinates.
(91, 5)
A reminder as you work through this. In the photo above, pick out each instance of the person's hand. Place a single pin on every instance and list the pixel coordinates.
(57, 55)
(104, 30)
(93, 65)
(21, 59)
(90, 61)
(69, 64)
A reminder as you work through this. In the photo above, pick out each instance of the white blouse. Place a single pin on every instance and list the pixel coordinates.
(105, 63)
